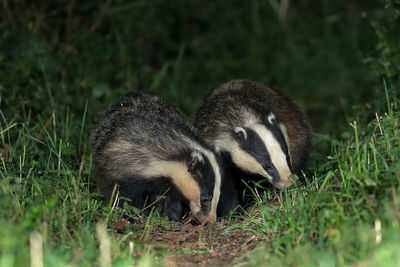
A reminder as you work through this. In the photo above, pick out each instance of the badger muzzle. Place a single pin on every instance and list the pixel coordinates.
(203, 219)
(284, 183)
(199, 214)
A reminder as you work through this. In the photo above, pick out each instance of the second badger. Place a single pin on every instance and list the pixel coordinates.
(144, 147)
(259, 131)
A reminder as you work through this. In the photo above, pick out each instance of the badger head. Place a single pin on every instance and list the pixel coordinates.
(261, 147)
(204, 169)
(198, 179)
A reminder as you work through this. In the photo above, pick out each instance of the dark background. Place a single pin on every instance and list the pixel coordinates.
(327, 55)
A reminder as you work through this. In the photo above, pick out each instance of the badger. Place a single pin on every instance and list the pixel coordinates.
(144, 148)
(259, 132)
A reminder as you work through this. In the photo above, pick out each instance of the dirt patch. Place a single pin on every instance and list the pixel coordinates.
(202, 245)
(189, 244)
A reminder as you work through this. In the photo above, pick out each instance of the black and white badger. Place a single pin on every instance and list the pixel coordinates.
(143, 147)
(258, 130)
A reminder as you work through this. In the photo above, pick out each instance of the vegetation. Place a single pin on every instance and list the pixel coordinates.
(62, 62)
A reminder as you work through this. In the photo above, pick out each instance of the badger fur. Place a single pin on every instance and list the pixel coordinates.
(259, 131)
(143, 147)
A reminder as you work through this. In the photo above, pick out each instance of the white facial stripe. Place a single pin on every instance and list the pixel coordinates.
(278, 157)
(180, 176)
(246, 161)
(286, 136)
(241, 158)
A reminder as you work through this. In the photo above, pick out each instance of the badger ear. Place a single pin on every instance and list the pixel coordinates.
(284, 132)
(196, 158)
(240, 134)
(271, 118)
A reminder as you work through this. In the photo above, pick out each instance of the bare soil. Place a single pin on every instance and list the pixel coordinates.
(198, 245)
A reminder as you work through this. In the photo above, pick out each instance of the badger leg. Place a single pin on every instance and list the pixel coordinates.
(173, 208)
(228, 199)
(133, 193)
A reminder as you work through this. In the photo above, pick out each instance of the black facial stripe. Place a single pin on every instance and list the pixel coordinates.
(274, 174)
(256, 148)
(254, 145)
(206, 180)
(278, 135)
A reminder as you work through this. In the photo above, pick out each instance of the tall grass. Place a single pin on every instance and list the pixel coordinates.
(349, 213)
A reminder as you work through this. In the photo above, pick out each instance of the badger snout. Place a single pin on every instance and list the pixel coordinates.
(203, 219)
(202, 215)
(285, 182)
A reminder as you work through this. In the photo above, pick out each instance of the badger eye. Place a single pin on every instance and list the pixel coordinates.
(267, 165)
(240, 134)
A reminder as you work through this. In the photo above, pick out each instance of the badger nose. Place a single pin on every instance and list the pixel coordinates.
(283, 185)
(286, 183)
(206, 219)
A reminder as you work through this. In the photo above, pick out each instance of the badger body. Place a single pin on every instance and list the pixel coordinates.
(259, 131)
(143, 148)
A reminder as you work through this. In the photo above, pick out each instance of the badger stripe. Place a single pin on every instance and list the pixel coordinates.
(286, 136)
(275, 148)
(178, 172)
(246, 161)
(151, 168)
(214, 164)
(278, 130)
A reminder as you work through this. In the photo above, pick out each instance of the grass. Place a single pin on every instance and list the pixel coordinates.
(64, 62)
(340, 209)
